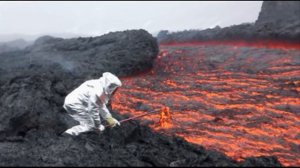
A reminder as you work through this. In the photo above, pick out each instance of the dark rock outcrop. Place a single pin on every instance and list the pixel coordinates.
(278, 20)
(280, 12)
(122, 53)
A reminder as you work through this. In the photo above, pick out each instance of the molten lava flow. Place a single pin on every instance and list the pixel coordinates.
(237, 44)
(165, 118)
(243, 101)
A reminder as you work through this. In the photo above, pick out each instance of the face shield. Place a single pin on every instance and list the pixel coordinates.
(111, 83)
(111, 88)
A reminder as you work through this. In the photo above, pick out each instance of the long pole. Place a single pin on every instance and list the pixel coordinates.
(142, 115)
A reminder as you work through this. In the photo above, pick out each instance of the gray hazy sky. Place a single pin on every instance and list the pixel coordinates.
(98, 17)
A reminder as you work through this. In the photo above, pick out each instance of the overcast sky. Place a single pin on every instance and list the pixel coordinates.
(98, 17)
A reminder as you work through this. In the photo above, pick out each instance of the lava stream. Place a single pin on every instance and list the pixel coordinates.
(238, 99)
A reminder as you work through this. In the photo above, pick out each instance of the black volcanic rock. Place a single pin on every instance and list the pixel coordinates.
(278, 20)
(279, 12)
(261, 161)
(128, 145)
(122, 53)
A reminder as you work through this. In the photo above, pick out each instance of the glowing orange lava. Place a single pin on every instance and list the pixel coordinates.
(238, 99)
(237, 44)
(165, 120)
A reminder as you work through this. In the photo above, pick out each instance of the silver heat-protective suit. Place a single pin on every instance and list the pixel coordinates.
(88, 102)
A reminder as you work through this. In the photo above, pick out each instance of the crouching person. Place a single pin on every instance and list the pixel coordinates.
(88, 102)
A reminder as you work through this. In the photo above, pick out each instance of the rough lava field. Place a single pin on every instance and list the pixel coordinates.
(240, 99)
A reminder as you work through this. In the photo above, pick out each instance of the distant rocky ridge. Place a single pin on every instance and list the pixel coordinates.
(14, 45)
(278, 20)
